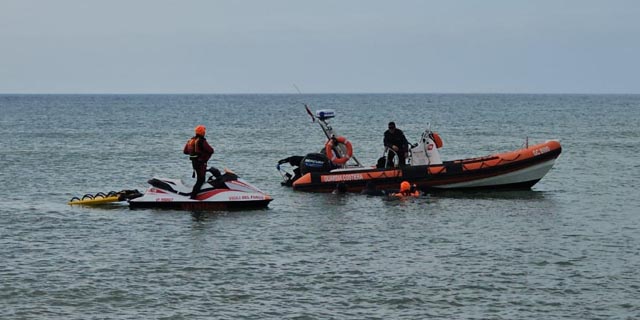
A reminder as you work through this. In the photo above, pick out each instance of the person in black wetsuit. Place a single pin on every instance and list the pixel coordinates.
(395, 140)
(199, 152)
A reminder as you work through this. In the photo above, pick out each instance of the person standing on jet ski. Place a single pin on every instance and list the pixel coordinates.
(395, 140)
(199, 152)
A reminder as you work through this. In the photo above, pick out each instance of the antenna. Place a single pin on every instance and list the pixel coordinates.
(297, 89)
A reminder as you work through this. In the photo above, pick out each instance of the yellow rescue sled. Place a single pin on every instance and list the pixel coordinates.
(102, 198)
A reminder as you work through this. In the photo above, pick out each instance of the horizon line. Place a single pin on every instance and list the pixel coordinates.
(315, 93)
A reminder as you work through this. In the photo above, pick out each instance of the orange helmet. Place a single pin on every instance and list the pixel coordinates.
(201, 130)
(405, 186)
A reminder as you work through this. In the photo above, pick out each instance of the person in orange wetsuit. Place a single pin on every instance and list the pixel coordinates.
(406, 191)
(199, 152)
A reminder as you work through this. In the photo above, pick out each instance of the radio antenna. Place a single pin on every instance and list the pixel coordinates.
(297, 89)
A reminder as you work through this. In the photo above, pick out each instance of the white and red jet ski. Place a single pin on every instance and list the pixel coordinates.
(227, 192)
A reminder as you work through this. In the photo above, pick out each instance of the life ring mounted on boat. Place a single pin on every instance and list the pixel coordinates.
(438, 141)
(328, 149)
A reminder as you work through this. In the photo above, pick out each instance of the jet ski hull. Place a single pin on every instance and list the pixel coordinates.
(229, 194)
(201, 205)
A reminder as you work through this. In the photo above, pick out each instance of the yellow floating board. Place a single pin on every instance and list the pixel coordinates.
(93, 201)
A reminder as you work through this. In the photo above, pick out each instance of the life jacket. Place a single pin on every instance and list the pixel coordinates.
(415, 193)
(193, 148)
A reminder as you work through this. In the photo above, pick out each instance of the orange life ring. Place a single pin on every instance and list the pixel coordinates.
(328, 149)
(437, 140)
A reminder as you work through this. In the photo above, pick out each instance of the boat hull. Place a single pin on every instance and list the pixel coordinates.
(516, 170)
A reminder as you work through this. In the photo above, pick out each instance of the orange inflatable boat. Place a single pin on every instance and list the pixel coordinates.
(519, 169)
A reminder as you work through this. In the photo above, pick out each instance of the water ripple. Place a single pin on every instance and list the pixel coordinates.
(567, 249)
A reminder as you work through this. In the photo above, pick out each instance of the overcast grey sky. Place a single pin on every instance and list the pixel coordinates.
(253, 46)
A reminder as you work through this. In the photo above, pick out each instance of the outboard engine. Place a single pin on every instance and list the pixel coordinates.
(315, 162)
(426, 151)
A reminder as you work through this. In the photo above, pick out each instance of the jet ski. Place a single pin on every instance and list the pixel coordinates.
(225, 192)
(336, 165)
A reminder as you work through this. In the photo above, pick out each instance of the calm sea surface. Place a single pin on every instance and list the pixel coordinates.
(568, 249)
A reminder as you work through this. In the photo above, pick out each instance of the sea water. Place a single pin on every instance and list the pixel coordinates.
(569, 248)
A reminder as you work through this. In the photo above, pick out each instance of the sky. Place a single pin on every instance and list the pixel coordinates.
(329, 46)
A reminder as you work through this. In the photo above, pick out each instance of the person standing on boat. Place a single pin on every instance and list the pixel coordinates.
(395, 140)
(199, 152)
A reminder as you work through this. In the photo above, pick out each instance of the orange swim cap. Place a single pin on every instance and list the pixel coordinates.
(405, 186)
(201, 130)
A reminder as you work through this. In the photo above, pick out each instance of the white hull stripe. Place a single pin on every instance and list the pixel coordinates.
(535, 172)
